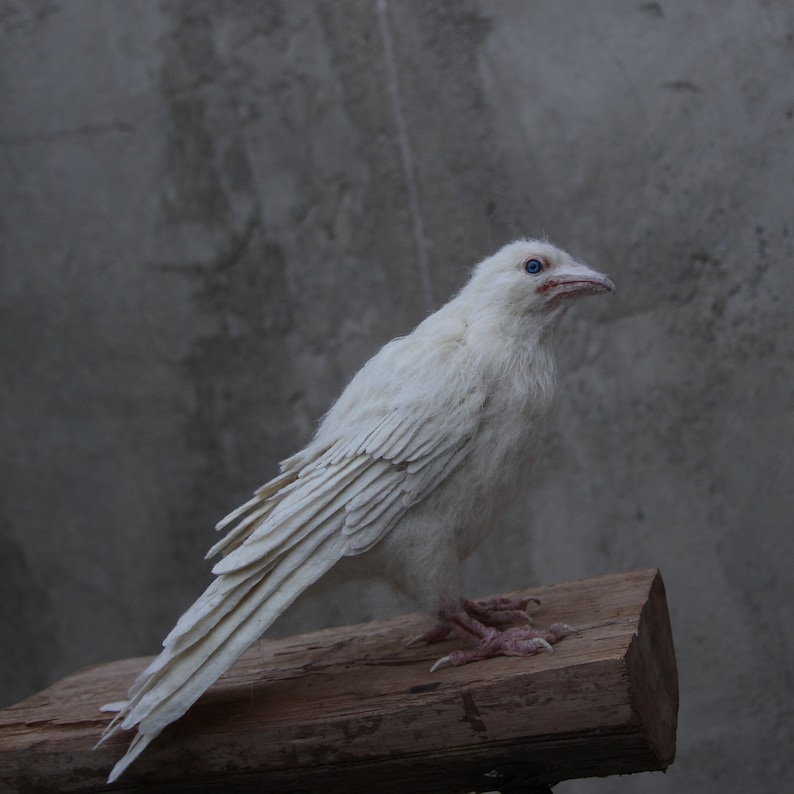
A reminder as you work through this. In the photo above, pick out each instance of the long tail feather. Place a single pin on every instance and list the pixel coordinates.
(293, 539)
(186, 669)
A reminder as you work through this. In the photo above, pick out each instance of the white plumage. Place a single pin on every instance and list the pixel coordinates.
(406, 474)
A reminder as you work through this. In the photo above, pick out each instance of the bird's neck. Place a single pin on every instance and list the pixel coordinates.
(516, 352)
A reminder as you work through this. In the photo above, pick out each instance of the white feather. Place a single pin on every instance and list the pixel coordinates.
(408, 468)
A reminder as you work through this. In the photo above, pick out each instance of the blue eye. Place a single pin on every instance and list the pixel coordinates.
(533, 266)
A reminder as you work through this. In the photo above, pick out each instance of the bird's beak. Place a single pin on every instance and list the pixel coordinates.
(573, 281)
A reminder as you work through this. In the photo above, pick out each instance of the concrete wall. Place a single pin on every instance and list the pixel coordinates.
(208, 223)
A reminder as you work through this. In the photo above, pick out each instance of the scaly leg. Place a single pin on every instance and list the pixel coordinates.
(499, 611)
(468, 620)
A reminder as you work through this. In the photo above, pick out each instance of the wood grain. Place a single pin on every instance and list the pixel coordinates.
(353, 710)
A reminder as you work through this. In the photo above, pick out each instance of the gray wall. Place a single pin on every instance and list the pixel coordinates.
(208, 223)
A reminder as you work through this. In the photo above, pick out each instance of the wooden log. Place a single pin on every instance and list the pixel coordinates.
(353, 710)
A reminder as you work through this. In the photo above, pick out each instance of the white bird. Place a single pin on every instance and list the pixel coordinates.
(403, 478)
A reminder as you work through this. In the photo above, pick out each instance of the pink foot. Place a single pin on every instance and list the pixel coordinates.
(517, 641)
(468, 620)
(499, 611)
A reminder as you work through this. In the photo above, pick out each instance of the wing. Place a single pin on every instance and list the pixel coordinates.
(401, 427)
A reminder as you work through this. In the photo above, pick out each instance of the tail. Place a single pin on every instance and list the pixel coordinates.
(287, 537)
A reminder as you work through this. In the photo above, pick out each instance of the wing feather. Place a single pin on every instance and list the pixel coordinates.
(391, 491)
(294, 518)
(419, 452)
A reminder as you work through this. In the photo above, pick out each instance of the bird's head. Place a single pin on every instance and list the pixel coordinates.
(534, 278)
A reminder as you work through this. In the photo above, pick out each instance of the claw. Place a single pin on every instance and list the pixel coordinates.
(526, 647)
(560, 630)
(444, 661)
(436, 633)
